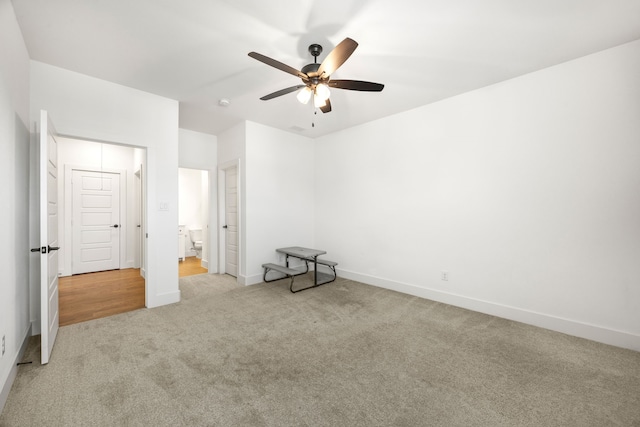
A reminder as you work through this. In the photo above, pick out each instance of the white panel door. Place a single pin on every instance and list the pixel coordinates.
(231, 227)
(49, 315)
(95, 221)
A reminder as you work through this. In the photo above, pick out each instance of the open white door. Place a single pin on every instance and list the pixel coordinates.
(49, 315)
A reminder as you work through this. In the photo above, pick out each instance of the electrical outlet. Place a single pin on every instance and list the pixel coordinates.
(444, 276)
(3, 346)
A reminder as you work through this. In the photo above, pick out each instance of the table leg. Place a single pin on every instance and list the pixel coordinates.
(315, 270)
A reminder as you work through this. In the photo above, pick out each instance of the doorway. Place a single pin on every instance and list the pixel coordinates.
(102, 222)
(193, 217)
(229, 209)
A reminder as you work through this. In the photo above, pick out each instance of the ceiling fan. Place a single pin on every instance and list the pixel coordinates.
(316, 78)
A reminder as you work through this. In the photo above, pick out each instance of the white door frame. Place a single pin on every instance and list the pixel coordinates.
(222, 238)
(138, 210)
(67, 255)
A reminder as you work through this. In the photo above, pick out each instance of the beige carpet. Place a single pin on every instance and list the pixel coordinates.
(344, 354)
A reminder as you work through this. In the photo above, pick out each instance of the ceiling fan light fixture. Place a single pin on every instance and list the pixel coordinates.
(322, 91)
(304, 95)
(319, 102)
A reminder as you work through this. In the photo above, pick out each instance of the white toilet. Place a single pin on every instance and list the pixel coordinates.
(196, 238)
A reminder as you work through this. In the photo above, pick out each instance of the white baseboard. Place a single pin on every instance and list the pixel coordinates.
(35, 327)
(252, 280)
(6, 387)
(163, 299)
(128, 264)
(554, 323)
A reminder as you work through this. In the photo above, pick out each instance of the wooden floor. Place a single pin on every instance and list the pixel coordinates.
(94, 295)
(190, 266)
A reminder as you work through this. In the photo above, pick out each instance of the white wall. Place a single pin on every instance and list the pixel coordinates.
(14, 192)
(231, 144)
(526, 192)
(200, 151)
(83, 107)
(279, 202)
(97, 156)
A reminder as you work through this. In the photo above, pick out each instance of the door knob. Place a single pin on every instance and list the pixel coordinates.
(114, 226)
(224, 226)
(45, 249)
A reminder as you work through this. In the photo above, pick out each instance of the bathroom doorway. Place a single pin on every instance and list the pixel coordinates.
(193, 219)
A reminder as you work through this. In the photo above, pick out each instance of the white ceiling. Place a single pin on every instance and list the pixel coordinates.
(195, 51)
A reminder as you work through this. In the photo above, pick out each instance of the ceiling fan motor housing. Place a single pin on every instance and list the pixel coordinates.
(311, 68)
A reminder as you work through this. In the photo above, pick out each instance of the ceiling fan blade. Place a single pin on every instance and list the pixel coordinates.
(282, 92)
(337, 56)
(277, 64)
(356, 85)
(327, 106)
